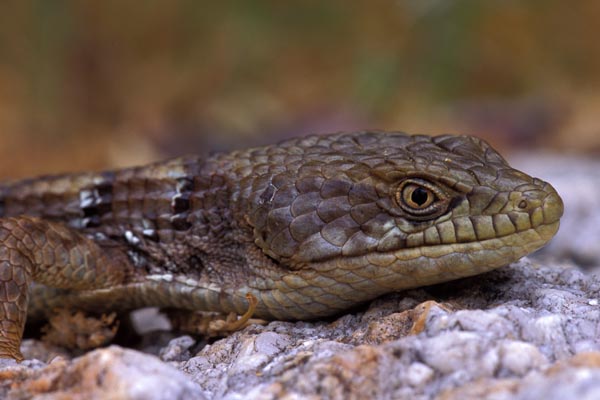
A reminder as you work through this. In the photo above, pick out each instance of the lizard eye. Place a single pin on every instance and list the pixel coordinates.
(420, 198)
(417, 197)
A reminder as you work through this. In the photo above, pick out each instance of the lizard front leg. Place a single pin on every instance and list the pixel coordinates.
(33, 249)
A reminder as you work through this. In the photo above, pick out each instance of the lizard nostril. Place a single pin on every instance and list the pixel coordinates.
(523, 204)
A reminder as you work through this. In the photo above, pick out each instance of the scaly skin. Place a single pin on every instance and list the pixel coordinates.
(309, 227)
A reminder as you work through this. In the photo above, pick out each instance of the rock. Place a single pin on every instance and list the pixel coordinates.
(177, 349)
(111, 373)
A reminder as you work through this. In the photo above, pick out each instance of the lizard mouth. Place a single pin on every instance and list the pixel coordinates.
(435, 264)
(382, 272)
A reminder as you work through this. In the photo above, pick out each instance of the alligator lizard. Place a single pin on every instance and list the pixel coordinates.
(308, 228)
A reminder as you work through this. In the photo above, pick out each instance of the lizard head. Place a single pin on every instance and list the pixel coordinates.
(374, 212)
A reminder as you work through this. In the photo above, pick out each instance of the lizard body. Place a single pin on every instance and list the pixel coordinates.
(309, 227)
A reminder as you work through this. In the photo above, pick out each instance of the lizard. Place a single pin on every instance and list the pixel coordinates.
(306, 228)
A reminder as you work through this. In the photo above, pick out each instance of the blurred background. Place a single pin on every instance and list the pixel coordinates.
(89, 84)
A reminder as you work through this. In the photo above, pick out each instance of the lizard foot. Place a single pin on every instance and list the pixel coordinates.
(76, 330)
(214, 324)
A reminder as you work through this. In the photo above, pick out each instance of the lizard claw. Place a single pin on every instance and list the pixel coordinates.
(232, 323)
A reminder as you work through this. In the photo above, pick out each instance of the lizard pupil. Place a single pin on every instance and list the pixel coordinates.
(419, 196)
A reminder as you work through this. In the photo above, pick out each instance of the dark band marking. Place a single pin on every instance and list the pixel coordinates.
(96, 201)
(180, 223)
(2, 207)
(180, 204)
(196, 264)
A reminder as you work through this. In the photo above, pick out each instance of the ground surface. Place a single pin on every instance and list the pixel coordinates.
(526, 331)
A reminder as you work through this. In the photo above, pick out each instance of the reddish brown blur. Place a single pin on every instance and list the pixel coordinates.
(86, 84)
